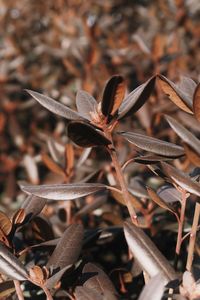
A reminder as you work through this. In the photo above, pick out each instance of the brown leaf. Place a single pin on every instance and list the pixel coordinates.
(6, 288)
(154, 145)
(154, 289)
(113, 95)
(5, 223)
(169, 194)
(184, 134)
(85, 104)
(146, 253)
(55, 106)
(98, 281)
(69, 191)
(196, 102)
(11, 266)
(151, 159)
(53, 280)
(181, 179)
(68, 248)
(84, 293)
(191, 154)
(136, 98)
(33, 206)
(118, 196)
(176, 95)
(19, 216)
(159, 201)
(51, 165)
(69, 158)
(85, 135)
(37, 274)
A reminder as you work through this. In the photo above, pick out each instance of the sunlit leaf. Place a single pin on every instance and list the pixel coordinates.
(153, 145)
(146, 253)
(85, 104)
(176, 95)
(10, 265)
(55, 106)
(62, 191)
(136, 98)
(196, 102)
(113, 95)
(184, 134)
(154, 289)
(85, 135)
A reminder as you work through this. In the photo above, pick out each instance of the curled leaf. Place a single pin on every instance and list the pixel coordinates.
(19, 216)
(176, 94)
(85, 135)
(154, 145)
(62, 191)
(5, 223)
(113, 95)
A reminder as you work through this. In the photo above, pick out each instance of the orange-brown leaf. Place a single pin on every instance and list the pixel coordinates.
(51, 165)
(196, 102)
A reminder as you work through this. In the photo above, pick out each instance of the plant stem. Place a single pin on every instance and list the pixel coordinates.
(193, 237)
(18, 290)
(180, 226)
(47, 293)
(121, 178)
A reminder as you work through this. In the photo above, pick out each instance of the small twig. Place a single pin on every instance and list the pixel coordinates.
(127, 163)
(47, 293)
(18, 290)
(180, 226)
(188, 234)
(120, 177)
(193, 237)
